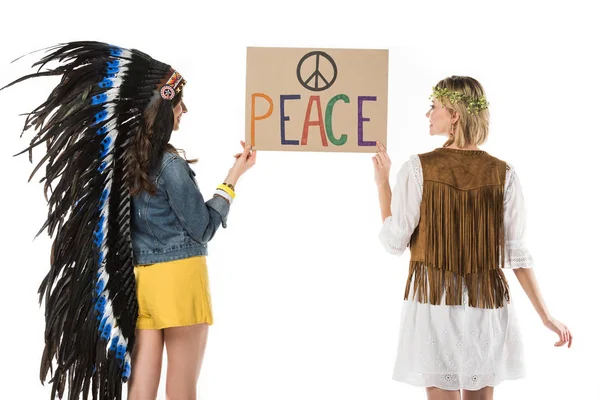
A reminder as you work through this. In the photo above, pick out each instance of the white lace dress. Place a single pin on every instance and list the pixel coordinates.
(455, 347)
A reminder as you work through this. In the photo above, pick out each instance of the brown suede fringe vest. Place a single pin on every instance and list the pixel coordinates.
(460, 236)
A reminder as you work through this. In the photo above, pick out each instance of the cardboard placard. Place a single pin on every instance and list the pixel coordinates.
(332, 100)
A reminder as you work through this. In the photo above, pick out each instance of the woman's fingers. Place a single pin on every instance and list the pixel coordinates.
(381, 158)
(245, 152)
(384, 161)
(243, 144)
(383, 151)
(564, 336)
(568, 337)
(375, 161)
(247, 157)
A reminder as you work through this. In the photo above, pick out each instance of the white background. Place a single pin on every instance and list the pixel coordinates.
(306, 301)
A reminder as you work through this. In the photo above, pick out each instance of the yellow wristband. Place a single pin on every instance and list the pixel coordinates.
(227, 189)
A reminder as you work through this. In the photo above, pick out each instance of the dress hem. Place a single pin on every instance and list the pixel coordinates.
(474, 386)
(173, 325)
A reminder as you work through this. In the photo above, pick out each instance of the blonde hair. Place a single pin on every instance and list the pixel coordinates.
(471, 129)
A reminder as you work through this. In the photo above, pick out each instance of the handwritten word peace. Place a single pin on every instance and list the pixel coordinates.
(325, 125)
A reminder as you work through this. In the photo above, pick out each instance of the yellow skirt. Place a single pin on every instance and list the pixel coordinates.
(173, 293)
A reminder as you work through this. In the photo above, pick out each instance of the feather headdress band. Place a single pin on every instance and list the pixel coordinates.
(88, 124)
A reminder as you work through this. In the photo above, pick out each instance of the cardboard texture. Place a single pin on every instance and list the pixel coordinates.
(332, 100)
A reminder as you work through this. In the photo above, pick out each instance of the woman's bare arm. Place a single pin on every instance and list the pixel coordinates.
(529, 283)
(384, 193)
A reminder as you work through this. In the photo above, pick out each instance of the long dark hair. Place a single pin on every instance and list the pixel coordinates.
(151, 141)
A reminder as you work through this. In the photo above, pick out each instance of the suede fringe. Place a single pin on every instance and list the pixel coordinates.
(487, 289)
(465, 228)
(464, 236)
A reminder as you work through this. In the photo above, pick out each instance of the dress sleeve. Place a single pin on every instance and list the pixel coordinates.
(516, 252)
(397, 230)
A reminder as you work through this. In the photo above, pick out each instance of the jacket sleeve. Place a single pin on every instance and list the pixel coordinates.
(200, 219)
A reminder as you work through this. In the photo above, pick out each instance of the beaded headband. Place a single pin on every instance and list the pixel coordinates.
(474, 104)
(172, 86)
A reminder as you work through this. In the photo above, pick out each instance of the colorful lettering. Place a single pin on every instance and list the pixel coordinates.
(319, 122)
(362, 119)
(284, 117)
(328, 124)
(254, 118)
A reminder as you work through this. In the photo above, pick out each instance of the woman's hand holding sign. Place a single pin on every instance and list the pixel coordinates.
(243, 162)
(382, 164)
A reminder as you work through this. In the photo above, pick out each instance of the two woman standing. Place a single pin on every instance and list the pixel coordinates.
(129, 275)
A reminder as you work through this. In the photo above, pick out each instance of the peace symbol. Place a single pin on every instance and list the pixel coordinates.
(313, 81)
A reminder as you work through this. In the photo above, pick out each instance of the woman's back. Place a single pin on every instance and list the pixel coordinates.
(459, 240)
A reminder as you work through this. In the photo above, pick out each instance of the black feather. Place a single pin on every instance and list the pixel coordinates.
(74, 183)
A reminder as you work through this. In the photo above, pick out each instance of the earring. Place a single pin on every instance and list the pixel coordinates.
(451, 133)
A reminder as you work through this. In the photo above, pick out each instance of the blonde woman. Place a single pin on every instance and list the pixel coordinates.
(461, 212)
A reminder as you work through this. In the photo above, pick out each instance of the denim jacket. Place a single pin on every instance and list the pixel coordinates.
(175, 222)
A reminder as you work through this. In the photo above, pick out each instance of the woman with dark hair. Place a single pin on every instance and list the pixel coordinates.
(171, 226)
(461, 212)
(128, 270)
